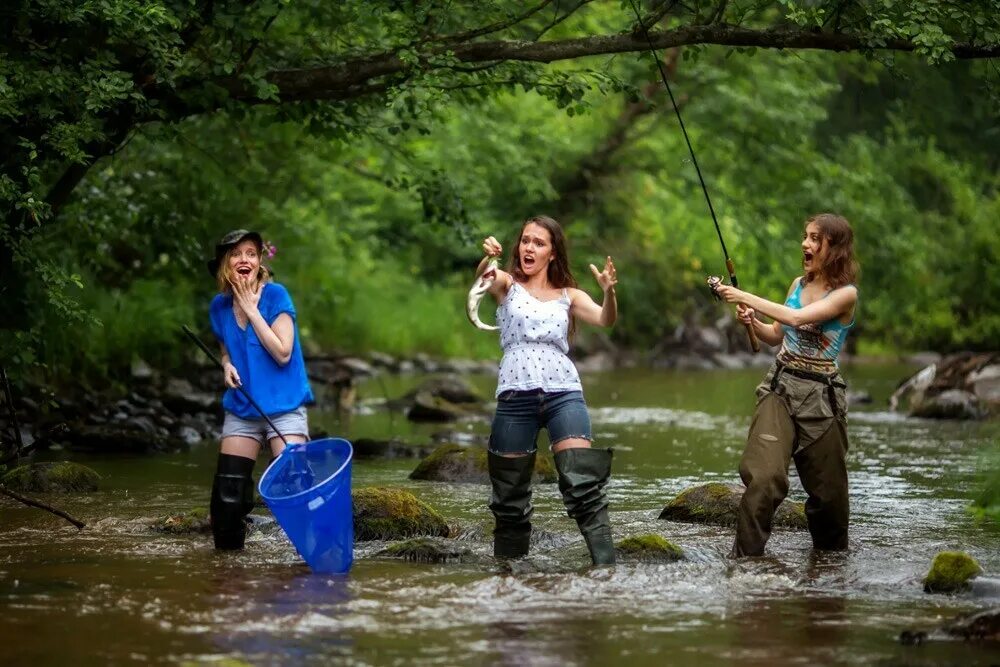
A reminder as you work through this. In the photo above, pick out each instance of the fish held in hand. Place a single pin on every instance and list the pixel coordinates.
(477, 292)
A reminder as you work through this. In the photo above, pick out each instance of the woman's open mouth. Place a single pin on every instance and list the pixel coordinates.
(807, 256)
(244, 271)
(528, 262)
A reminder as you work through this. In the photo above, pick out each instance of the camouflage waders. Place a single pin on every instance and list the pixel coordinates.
(802, 416)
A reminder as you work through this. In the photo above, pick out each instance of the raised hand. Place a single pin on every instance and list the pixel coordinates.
(492, 247)
(607, 278)
(245, 296)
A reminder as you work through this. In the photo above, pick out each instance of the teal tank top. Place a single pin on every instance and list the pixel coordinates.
(816, 346)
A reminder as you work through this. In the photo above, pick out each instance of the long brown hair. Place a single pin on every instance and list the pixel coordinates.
(224, 274)
(839, 265)
(559, 273)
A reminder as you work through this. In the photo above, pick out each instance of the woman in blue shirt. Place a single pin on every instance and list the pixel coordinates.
(254, 320)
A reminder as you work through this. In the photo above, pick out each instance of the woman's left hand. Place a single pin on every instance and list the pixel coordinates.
(730, 294)
(245, 296)
(607, 278)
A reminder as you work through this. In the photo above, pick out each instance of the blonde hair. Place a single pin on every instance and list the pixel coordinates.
(224, 274)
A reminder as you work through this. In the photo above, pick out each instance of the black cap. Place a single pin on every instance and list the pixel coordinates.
(231, 239)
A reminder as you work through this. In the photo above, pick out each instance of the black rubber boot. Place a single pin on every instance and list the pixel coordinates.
(232, 500)
(511, 503)
(583, 473)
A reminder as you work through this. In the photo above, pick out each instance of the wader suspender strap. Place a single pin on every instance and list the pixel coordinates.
(831, 386)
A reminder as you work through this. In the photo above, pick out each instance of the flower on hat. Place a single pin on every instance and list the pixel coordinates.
(270, 249)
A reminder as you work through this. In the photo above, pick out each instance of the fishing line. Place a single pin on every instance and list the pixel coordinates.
(730, 267)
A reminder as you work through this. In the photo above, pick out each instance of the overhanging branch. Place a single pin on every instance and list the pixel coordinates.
(353, 78)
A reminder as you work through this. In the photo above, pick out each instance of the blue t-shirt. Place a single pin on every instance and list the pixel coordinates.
(276, 388)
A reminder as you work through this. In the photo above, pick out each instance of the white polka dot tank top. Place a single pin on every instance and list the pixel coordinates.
(534, 337)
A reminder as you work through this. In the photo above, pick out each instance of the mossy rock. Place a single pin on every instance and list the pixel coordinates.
(383, 513)
(950, 572)
(717, 503)
(457, 463)
(430, 408)
(195, 521)
(648, 549)
(428, 550)
(61, 477)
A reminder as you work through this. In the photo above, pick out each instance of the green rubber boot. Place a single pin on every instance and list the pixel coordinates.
(583, 473)
(511, 503)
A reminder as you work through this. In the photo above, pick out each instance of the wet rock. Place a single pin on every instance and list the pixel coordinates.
(188, 435)
(449, 387)
(949, 404)
(717, 503)
(369, 448)
(119, 438)
(429, 408)
(141, 371)
(979, 626)
(984, 625)
(648, 549)
(383, 513)
(730, 361)
(382, 360)
(62, 477)
(455, 463)
(357, 366)
(180, 396)
(961, 386)
(195, 521)
(858, 398)
(429, 550)
(951, 572)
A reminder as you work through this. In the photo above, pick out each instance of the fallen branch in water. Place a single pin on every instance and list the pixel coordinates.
(40, 505)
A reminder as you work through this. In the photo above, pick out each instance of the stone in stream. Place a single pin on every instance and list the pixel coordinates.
(62, 477)
(429, 550)
(965, 385)
(195, 521)
(717, 503)
(981, 626)
(455, 463)
(385, 513)
(120, 438)
(951, 572)
(648, 549)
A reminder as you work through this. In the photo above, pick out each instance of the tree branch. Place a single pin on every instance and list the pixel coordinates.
(352, 78)
(42, 506)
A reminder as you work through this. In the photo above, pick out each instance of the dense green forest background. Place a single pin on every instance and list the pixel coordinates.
(377, 199)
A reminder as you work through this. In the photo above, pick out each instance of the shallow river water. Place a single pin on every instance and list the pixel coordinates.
(118, 593)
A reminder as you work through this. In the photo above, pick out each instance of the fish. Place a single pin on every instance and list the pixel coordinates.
(478, 291)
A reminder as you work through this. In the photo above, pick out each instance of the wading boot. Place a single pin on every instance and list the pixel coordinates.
(511, 503)
(232, 500)
(583, 473)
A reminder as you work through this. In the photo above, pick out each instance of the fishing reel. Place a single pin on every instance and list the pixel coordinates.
(713, 285)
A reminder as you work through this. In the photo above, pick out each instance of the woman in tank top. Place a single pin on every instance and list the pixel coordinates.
(801, 404)
(539, 387)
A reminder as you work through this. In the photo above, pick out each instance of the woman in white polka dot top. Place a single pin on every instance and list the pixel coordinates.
(539, 387)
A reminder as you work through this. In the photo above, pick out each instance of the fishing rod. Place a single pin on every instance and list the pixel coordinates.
(713, 282)
(204, 348)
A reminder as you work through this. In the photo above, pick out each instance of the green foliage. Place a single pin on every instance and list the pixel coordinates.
(986, 504)
(134, 134)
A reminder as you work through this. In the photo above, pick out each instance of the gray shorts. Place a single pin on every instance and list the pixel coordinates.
(289, 423)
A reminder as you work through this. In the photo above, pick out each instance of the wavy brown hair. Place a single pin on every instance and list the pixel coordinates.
(839, 265)
(224, 275)
(559, 273)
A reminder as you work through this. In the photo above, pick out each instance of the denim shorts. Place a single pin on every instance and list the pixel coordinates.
(294, 422)
(521, 414)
